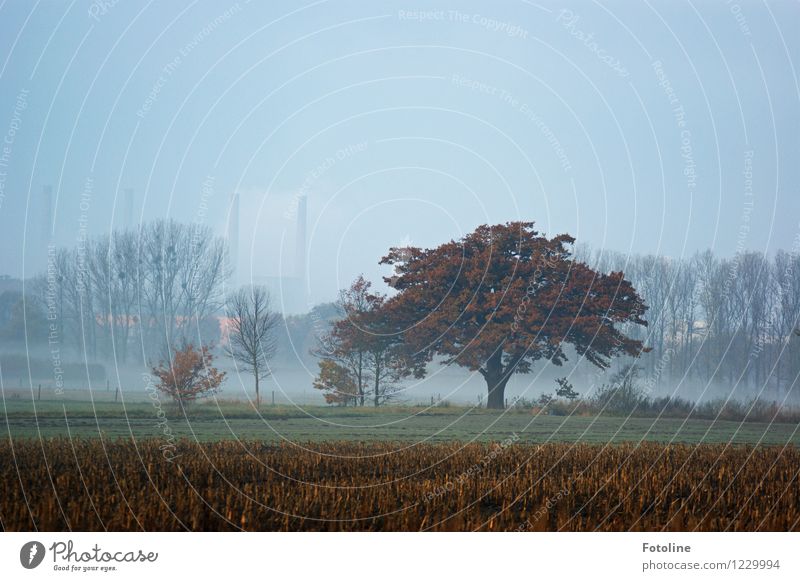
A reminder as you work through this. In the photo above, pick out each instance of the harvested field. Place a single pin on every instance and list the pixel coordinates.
(62, 484)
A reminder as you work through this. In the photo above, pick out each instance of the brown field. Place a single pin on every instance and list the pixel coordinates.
(101, 485)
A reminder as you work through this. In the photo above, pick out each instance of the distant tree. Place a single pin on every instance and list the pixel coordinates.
(337, 383)
(654, 278)
(152, 287)
(251, 332)
(189, 375)
(504, 297)
(8, 302)
(545, 400)
(565, 389)
(719, 315)
(341, 343)
(388, 360)
(787, 314)
(299, 335)
(180, 273)
(26, 320)
(365, 343)
(684, 313)
(623, 394)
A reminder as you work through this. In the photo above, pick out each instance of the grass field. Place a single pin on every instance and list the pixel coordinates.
(215, 421)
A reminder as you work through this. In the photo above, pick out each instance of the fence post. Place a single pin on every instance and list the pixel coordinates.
(116, 393)
(38, 397)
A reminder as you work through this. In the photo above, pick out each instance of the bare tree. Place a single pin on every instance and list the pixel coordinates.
(123, 295)
(180, 271)
(251, 338)
(156, 285)
(750, 293)
(688, 311)
(787, 314)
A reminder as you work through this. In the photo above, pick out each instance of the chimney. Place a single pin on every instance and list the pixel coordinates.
(233, 235)
(300, 241)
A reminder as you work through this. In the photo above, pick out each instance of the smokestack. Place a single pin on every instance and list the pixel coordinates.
(300, 241)
(127, 209)
(47, 216)
(233, 235)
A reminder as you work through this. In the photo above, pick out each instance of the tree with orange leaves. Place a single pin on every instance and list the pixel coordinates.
(189, 376)
(362, 355)
(504, 297)
(337, 383)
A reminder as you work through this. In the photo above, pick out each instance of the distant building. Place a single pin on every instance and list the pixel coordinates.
(300, 239)
(290, 293)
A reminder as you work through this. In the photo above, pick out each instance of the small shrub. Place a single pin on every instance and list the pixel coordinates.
(622, 394)
(189, 376)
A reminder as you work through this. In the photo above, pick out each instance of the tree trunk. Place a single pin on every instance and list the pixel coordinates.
(258, 396)
(377, 382)
(497, 394)
(361, 379)
(496, 382)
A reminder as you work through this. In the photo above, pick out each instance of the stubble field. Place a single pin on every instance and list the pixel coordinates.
(95, 484)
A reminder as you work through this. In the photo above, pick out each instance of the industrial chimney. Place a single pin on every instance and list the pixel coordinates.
(300, 241)
(232, 235)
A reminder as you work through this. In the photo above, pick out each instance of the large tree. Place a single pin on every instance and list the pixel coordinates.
(504, 297)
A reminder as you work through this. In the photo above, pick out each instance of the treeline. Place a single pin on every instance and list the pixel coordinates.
(129, 295)
(132, 291)
(712, 319)
(626, 395)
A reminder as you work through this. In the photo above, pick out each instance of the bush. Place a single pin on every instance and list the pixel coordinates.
(189, 376)
(622, 394)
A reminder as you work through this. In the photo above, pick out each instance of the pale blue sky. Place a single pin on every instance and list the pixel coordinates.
(401, 129)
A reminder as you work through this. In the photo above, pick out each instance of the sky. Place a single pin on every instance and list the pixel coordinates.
(661, 127)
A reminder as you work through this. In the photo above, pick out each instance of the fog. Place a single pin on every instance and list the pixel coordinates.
(310, 140)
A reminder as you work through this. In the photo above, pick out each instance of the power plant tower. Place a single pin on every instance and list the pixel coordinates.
(300, 241)
(232, 235)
